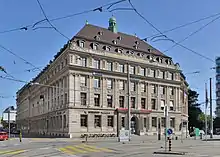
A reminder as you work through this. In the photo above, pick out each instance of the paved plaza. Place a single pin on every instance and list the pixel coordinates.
(138, 147)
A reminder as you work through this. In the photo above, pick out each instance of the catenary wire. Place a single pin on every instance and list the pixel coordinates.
(99, 8)
(16, 55)
(147, 21)
(58, 31)
(193, 33)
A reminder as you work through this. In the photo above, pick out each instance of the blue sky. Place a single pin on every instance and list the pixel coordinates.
(39, 46)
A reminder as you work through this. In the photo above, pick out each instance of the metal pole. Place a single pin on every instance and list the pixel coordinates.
(165, 131)
(181, 129)
(211, 119)
(129, 108)
(9, 127)
(206, 104)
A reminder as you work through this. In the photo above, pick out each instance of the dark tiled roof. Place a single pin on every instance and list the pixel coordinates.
(90, 31)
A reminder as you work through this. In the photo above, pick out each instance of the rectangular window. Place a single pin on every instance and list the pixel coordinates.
(154, 121)
(172, 122)
(97, 121)
(145, 122)
(171, 91)
(132, 102)
(81, 44)
(121, 68)
(143, 103)
(132, 86)
(162, 90)
(171, 105)
(109, 83)
(83, 80)
(163, 121)
(164, 75)
(123, 121)
(153, 104)
(132, 70)
(143, 72)
(109, 100)
(96, 64)
(121, 85)
(109, 66)
(83, 99)
(153, 73)
(83, 120)
(83, 61)
(110, 121)
(64, 121)
(97, 83)
(143, 87)
(154, 91)
(162, 104)
(97, 99)
(121, 101)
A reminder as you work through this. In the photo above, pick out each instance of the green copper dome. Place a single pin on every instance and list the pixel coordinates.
(112, 25)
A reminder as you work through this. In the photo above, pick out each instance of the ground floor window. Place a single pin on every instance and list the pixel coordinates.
(97, 121)
(110, 121)
(83, 120)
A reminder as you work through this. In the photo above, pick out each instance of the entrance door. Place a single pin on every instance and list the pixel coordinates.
(134, 125)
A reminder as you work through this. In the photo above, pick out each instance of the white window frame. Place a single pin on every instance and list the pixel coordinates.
(96, 82)
(109, 66)
(96, 64)
(109, 83)
(121, 85)
(121, 68)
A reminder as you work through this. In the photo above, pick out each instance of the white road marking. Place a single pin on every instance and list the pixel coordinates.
(45, 148)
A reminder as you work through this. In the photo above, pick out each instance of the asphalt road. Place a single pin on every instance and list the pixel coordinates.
(138, 147)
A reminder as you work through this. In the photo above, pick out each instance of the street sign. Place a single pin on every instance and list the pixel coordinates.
(124, 136)
(169, 131)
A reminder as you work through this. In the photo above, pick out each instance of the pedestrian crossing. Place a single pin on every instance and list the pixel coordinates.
(11, 152)
(82, 149)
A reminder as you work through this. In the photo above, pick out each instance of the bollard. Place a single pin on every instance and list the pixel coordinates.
(169, 144)
(20, 136)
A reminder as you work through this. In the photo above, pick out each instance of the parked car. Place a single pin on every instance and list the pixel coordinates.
(3, 136)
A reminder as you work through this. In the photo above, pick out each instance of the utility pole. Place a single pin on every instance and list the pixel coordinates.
(206, 105)
(166, 125)
(211, 121)
(129, 108)
(9, 127)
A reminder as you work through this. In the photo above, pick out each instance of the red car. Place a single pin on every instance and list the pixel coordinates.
(3, 136)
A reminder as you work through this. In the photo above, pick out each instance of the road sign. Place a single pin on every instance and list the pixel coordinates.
(169, 131)
(124, 135)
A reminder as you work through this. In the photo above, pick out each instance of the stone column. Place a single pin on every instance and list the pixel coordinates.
(71, 82)
(115, 94)
(103, 97)
(158, 107)
(149, 96)
(138, 95)
(91, 91)
(77, 90)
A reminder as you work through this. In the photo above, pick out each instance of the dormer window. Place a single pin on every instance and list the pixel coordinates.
(114, 41)
(149, 50)
(119, 38)
(100, 33)
(135, 46)
(127, 52)
(97, 38)
(119, 50)
(136, 42)
(81, 43)
(94, 46)
(107, 48)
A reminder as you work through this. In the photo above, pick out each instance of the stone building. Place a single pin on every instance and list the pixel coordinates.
(84, 89)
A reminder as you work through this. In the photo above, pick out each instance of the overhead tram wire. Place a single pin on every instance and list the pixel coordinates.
(193, 33)
(184, 25)
(139, 14)
(21, 58)
(99, 8)
(51, 23)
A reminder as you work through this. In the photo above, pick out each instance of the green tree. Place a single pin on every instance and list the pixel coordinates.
(194, 110)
